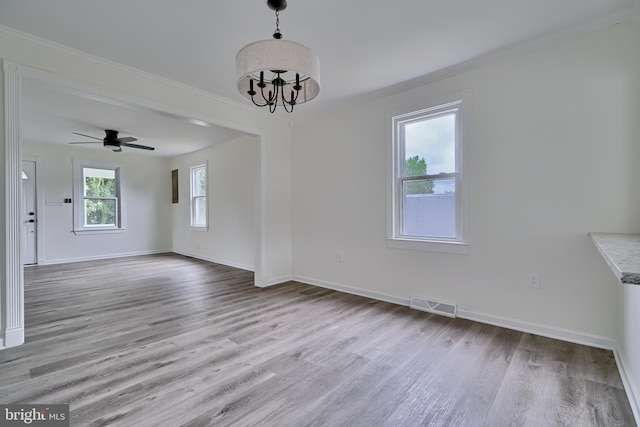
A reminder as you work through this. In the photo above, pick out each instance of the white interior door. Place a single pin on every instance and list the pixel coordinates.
(29, 213)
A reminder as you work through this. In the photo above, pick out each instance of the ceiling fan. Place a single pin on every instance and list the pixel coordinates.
(112, 141)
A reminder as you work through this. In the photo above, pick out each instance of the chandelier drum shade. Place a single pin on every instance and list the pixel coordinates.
(270, 56)
(277, 73)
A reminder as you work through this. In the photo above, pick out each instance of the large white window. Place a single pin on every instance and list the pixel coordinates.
(199, 196)
(98, 200)
(429, 196)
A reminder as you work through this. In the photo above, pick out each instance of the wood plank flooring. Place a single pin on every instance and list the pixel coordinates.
(166, 340)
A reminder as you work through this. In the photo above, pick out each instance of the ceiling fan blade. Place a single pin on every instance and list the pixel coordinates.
(126, 139)
(88, 136)
(142, 147)
(117, 149)
(86, 142)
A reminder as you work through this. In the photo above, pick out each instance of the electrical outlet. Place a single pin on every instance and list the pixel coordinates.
(534, 280)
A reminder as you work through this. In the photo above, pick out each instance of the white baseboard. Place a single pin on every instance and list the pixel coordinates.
(277, 281)
(216, 260)
(106, 256)
(538, 329)
(631, 388)
(518, 325)
(12, 338)
(354, 291)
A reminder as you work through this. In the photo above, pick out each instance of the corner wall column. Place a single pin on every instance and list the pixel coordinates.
(13, 303)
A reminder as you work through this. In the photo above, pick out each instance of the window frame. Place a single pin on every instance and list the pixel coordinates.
(193, 198)
(79, 227)
(460, 104)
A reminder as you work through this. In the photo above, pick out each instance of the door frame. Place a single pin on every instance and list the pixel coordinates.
(40, 259)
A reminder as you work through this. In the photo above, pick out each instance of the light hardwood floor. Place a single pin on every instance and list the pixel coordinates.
(167, 340)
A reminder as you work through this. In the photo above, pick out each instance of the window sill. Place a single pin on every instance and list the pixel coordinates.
(430, 246)
(199, 228)
(99, 231)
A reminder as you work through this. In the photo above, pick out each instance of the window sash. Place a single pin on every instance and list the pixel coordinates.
(115, 212)
(421, 216)
(423, 116)
(197, 189)
(199, 211)
(403, 179)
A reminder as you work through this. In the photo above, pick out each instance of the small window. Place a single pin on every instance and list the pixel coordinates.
(98, 197)
(199, 196)
(429, 198)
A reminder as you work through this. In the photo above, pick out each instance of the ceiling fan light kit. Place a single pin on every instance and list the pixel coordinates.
(277, 72)
(112, 141)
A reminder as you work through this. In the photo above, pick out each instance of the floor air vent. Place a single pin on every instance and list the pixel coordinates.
(431, 306)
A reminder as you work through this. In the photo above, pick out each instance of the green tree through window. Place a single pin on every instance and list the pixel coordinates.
(100, 197)
(100, 187)
(417, 166)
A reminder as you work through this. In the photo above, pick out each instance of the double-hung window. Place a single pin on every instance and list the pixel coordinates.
(98, 203)
(199, 196)
(429, 192)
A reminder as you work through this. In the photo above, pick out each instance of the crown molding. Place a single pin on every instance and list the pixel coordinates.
(48, 45)
(632, 12)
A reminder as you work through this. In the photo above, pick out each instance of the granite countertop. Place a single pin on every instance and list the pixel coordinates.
(622, 253)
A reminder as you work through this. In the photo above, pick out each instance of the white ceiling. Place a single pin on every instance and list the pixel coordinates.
(364, 47)
(50, 114)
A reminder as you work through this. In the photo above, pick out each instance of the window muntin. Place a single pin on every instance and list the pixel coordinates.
(199, 196)
(428, 200)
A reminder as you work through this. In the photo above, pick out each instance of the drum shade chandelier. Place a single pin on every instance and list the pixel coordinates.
(277, 72)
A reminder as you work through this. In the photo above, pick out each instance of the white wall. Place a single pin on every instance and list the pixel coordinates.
(233, 180)
(555, 146)
(275, 261)
(147, 190)
(41, 60)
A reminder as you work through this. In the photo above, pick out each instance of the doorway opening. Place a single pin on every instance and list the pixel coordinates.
(29, 233)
